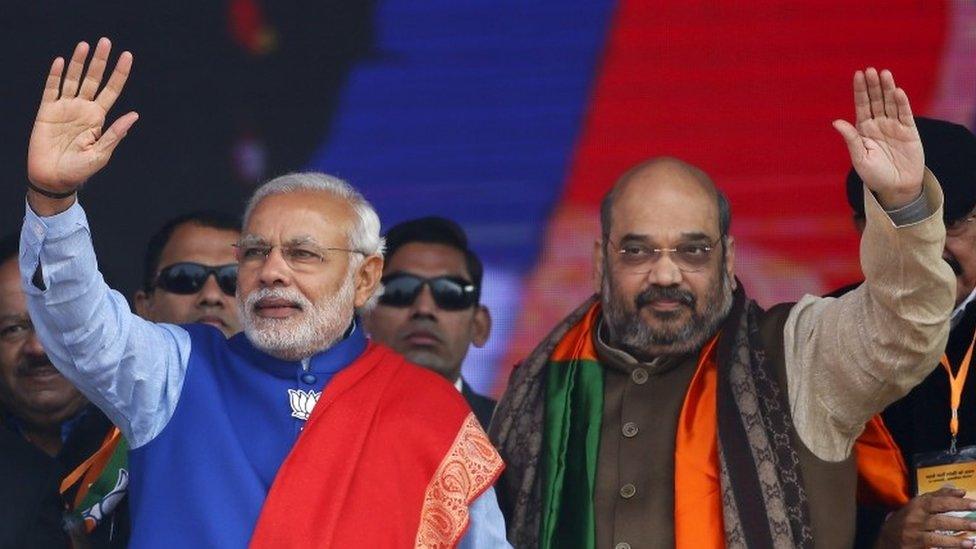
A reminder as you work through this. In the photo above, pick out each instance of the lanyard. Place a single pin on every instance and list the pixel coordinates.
(956, 383)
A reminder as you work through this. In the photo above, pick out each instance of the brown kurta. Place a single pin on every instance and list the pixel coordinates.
(634, 491)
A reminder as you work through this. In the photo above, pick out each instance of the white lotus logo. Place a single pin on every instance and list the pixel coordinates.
(302, 402)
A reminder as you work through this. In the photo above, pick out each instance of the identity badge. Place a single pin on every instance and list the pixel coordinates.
(935, 470)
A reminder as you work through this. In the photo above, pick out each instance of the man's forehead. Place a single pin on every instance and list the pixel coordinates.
(665, 209)
(319, 214)
(194, 242)
(12, 298)
(427, 259)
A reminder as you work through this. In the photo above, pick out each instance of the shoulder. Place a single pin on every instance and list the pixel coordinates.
(414, 391)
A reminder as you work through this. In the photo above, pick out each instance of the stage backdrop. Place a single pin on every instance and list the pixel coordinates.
(511, 117)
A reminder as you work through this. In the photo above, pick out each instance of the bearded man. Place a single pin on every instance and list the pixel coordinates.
(671, 411)
(228, 444)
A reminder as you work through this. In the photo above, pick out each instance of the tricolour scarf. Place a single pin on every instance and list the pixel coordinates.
(737, 473)
(391, 457)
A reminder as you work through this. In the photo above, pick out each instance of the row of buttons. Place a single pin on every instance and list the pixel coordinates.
(630, 430)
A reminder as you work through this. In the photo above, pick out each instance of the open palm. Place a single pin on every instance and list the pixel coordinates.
(67, 145)
(885, 147)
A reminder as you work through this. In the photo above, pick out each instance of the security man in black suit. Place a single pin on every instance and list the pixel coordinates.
(920, 422)
(430, 310)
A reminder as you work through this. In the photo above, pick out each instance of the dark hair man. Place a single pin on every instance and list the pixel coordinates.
(44, 408)
(676, 412)
(919, 422)
(430, 310)
(297, 431)
(190, 272)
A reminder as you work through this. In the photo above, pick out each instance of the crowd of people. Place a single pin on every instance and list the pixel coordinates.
(294, 378)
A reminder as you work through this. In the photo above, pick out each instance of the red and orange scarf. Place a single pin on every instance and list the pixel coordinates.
(391, 457)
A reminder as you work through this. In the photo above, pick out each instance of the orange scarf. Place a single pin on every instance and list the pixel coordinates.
(697, 487)
(882, 476)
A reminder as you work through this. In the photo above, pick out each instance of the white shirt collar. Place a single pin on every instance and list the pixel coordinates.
(957, 312)
(459, 384)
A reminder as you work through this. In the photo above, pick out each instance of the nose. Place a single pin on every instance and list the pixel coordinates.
(33, 347)
(424, 305)
(274, 271)
(210, 294)
(665, 272)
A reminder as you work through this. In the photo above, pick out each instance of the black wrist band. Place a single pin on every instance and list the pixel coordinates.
(49, 194)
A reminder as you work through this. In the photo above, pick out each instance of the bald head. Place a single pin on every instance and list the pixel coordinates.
(662, 182)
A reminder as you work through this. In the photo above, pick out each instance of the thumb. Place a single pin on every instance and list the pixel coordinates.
(851, 138)
(114, 134)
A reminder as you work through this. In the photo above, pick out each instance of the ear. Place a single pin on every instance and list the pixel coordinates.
(730, 259)
(482, 326)
(598, 251)
(368, 279)
(142, 304)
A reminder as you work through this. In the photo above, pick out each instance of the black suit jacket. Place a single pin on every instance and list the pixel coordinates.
(919, 421)
(30, 503)
(482, 406)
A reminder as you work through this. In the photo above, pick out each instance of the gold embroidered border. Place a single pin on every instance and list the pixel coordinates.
(471, 465)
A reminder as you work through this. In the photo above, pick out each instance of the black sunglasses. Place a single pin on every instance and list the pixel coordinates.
(450, 293)
(188, 278)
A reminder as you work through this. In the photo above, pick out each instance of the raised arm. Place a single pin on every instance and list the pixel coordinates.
(848, 358)
(132, 369)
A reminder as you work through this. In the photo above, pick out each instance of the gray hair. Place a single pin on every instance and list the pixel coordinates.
(365, 234)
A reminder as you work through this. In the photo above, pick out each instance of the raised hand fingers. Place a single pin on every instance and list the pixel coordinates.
(888, 94)
(53, 83)
(904, 108)
(115, 82)
(862, 104)
(875, 95)
(96, 68)
(75, 67)
(114, 134)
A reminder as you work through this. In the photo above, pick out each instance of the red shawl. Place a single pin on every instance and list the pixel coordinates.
(391, 457)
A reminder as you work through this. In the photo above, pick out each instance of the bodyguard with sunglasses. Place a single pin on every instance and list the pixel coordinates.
(190, 272)
(430, 310)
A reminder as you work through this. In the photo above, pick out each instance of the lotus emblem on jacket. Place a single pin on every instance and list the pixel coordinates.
(302, 402)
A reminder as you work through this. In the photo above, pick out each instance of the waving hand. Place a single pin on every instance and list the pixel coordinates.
(67, 144)
(885, 148)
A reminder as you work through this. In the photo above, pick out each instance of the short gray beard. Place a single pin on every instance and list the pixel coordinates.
(629, 333)
(318, 327)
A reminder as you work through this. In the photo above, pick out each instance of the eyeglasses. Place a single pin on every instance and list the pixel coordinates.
(189, 278)
(689, 258)
(297, 256)
(450, 293)
(959, 226)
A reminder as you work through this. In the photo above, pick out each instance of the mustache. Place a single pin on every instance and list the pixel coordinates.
(34, 363)
(655, 293)
(953, 264)
(288, 294)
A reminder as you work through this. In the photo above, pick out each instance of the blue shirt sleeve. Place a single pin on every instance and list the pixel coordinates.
(130, 368)
(487, 526)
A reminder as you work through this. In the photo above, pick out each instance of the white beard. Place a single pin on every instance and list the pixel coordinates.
(317, 327)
